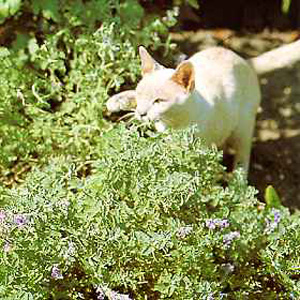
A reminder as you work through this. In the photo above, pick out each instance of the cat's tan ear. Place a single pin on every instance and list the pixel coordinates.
(148, 63)
(185, 75)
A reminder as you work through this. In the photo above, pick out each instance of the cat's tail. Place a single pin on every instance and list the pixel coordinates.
(283, 57)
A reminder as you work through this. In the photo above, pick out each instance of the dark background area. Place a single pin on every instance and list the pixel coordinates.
(234, 14)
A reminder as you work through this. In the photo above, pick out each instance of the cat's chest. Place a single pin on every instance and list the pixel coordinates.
(216, 123)
(214, 120)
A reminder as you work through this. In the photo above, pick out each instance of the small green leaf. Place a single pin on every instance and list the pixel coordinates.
(33, 47)
(49, 8)
(193, 3)
(4, 52)
(9, 8)
(21, 41)
(285, 6)
(271, 197)
(131, 12)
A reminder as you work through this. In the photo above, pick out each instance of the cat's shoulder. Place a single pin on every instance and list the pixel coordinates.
(217, 54)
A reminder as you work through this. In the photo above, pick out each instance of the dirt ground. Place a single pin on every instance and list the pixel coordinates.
(275, 155)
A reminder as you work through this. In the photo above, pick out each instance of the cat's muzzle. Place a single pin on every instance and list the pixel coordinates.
(141, 117)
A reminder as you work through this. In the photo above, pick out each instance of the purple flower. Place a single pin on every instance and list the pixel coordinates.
(20, 220)
(100, 293)
(184, 231)
(210, 224)
(271, 225)
(277, 215)
(229, 237)
(56, 85)
(2, 216)
(210, 297)
(224, 223)
(113, 295)
(214, 223)
(222, 295)
(7, 247)
(56, 273)
(295, 267)
(116, 296)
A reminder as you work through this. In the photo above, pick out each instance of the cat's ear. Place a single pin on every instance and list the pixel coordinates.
(185, 76)
(148, 63)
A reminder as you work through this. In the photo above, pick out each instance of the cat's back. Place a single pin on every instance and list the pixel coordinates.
(221, 73)
(217, 59)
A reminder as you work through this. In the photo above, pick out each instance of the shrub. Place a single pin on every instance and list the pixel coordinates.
(54, 81)
(118, 213)
(152, 222)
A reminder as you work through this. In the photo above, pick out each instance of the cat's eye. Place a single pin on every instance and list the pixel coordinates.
(159, 100)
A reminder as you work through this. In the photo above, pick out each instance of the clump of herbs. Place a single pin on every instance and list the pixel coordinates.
(152, 222)
(106, 212)
(55, 79)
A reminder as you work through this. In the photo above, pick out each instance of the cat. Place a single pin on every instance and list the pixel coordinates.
(215, 89)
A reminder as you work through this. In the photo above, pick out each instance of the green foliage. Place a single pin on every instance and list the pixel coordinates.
(9, 8)
(152, 221)
(118, 211)
(52, 91)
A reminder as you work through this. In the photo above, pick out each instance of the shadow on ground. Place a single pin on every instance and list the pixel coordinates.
(276, 152)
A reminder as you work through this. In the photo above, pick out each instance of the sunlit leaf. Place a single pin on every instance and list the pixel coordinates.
(285, 6)
(49, 8)
(9, 8)
(271, 197)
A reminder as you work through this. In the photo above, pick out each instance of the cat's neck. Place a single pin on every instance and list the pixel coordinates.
(194, 110)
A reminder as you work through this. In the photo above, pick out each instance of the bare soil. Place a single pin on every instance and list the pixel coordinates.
(275, 155)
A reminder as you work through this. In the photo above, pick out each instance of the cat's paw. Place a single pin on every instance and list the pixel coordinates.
(124, 101)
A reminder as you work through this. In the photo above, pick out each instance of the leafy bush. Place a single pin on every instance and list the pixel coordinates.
(118, 213)
(152, 222)
(9, 8)
(53, 88)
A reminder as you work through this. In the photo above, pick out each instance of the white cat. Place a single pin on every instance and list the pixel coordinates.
(215, 89)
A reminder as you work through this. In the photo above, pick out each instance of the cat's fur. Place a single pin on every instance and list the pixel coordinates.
(215, 89)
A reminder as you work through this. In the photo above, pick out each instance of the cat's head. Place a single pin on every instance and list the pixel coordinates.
(160, 89)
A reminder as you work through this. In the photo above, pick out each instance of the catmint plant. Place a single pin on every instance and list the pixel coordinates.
(20, 220)
(7, 247)
(273, 221)
(183, 232)
(2, 216)
(95, 210)
(217, 223)
(152, 220)
(230, 237)
(56, 273)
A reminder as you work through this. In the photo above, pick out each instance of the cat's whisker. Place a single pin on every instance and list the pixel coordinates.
(129, 114)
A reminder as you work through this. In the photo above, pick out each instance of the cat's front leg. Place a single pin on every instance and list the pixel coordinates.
(242, 141)
(124, 101)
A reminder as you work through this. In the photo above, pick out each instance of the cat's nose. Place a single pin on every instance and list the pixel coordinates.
(141, 112)
(140, 117)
